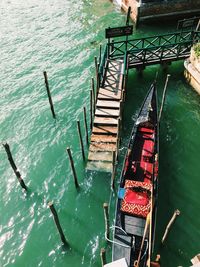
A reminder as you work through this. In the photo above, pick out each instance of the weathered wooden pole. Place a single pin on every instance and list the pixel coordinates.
(100, 53)
(86, 127)
(113, 169)
(72, 167)
(97, 72)
(80, 139)
(14, 167)
(93, 96)
(49, 94)
(103, 256)
(163, 97)
(176, 213)
(91, 110)
(93, 91)
(56, 219)
(107, 223)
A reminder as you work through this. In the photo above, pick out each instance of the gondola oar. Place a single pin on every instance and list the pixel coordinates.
(163, 97)
(150, 230)
(137, 262)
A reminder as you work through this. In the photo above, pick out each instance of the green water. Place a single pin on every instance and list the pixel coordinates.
(62, 38)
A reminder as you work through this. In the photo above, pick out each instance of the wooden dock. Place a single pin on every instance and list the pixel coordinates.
(107, 117)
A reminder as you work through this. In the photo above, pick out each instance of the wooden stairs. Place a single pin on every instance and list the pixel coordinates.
(106, 124)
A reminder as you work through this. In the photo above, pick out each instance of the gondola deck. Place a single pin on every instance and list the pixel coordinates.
(135, 211)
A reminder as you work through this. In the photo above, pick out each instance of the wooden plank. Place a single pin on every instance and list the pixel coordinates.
(107, 112)
(103, 138)
(100, 156)
(102, 146)
(108, 104)
(134, 225)
(109, 93)
(105, 121)
(123, 251)
(104, 130)
(100, 166)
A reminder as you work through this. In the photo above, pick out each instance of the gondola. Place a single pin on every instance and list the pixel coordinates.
(136, 207)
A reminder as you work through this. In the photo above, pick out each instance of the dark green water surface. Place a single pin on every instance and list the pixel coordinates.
(62, 37)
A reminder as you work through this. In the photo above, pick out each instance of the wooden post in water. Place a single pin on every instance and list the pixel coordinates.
(103, 256)
(55, 216)
(73, 168)
(113, 169)
(163, 97)
(176, 213)
(100, 52)
(49, 94)
(91, 109)
(107, 224)
(97, 72)
(14, 167)
(80, 139)
(86, 127)
(93, 91)
(93, 96)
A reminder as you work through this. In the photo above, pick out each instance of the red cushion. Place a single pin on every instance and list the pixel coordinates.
(132, 197)
(136, 203)
(131, 183)
(147, 130)
(135, 209)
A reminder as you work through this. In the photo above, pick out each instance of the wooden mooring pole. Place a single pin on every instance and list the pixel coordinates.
(107, 223)
(80, 139)
(97, 73)
(86, 127)
(14, 167)
(93, 96)
(91, 109)
(113, 170)
(49, 94)
(72, 167)
(103, 256)
(176, 213)
(57, 222)
(163, 97)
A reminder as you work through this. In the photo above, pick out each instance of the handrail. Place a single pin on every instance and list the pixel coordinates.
(160, 41)
(102, 64)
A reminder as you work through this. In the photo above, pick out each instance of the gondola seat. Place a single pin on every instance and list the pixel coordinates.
(136, 200)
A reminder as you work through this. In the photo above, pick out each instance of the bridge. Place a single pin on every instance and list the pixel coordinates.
(118, 57)
(154, 49)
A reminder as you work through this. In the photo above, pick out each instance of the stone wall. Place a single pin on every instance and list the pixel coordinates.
(155, 9)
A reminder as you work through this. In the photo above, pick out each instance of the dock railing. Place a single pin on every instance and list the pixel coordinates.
(172, 46)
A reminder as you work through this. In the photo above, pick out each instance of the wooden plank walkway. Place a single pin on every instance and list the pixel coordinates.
(105, 132)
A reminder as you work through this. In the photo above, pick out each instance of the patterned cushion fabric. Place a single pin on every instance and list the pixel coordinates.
(136, 200)
(135, 209)
(131, 183)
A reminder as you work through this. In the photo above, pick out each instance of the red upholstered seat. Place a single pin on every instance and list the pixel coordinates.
(132, 197)
(146, 130)
(136, 202)
(131, 183)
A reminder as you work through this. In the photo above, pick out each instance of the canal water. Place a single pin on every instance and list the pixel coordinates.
(63, 37)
